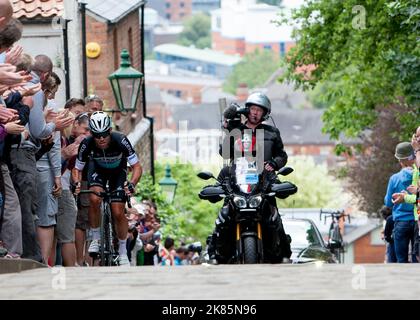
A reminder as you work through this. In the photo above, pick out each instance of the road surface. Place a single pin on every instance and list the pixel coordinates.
(207, 282)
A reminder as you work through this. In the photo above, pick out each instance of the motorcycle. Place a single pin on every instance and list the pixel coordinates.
(249, 199)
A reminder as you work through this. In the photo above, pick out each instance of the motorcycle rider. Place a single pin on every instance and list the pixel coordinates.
(257, 110)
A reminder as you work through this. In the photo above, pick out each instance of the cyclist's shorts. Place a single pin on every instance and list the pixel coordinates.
(116, 178)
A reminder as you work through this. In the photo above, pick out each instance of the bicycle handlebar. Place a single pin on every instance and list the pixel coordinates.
(333, 213)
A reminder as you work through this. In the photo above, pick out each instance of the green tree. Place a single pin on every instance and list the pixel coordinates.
(369, 174)
(367, 56)
(253, 70)
(196, 31)
(316, 187)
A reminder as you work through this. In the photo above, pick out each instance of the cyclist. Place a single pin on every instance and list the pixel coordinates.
(108, 153)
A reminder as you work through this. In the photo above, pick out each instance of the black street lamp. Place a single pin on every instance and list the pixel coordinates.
(168, 185)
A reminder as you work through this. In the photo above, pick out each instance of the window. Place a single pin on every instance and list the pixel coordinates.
(168, 4)
(267, 47)
(168, 16)
(282, 49)
(182, 4)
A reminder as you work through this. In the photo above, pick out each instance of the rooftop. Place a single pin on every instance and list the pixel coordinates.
(33, 9)
(297, 126)
(206, 55)
(113, 11)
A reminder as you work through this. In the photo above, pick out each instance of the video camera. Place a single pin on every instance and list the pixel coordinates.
(233, 115)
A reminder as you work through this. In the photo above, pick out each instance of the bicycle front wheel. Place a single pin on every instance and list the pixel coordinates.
(106, 237)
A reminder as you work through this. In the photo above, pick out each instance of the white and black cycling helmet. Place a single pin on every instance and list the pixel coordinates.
(99, 122)
(261, 100)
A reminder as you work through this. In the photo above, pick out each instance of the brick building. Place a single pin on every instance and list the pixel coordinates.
(172, 10)
(251, 29)
(115, 26)
(364, 244)
(177, 10)
(189, 89)
(114, 29)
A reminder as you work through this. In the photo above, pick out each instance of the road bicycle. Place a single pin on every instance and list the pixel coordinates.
(335, 241)
(108, 250)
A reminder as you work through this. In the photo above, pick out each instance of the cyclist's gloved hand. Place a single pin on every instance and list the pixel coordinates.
(271, 165)
(130, 187)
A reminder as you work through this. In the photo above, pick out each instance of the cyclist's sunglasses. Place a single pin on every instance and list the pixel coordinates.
(101, 135)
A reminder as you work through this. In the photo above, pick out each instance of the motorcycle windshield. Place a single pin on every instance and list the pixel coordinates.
(246, 175)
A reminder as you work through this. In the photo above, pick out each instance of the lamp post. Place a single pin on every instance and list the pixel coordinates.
(168, 185)
(126, 83)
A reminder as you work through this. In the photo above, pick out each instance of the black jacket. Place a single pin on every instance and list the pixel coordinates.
(273, 145)
(14, 101)
(389, 228)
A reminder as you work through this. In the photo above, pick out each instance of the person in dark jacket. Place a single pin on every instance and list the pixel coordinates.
(388, 229)
(247, 141)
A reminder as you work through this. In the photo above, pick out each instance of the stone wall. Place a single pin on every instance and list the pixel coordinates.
(140, 138)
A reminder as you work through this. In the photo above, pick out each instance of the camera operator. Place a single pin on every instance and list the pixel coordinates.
(257, 110)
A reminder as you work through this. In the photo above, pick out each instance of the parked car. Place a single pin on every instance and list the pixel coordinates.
(307, 243)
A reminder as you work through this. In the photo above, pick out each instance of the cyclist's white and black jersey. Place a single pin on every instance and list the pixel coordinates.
(115, 157)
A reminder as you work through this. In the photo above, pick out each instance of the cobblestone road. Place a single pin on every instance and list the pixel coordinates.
(217, 282)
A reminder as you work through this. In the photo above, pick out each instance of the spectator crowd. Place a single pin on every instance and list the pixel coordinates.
(39, 140)
(402, 205)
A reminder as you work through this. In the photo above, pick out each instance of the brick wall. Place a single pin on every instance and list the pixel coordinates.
(188, 91)
(143, 151)
(227, 45)
(306, 149)
(365, 252)
(113, 39)
(177, 10)
(239, 46)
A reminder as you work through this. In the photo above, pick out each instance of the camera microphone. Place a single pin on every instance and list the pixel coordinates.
(230, 112)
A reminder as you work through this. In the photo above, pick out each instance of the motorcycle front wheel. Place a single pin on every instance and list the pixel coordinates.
(250, 250)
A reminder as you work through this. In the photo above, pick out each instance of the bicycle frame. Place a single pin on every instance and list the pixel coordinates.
(335, 239)
(108, 252)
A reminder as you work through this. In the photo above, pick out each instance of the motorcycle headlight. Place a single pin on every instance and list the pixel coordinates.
(254, 202)
(240, 202)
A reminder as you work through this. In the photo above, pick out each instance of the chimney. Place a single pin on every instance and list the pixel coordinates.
(242, 92)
